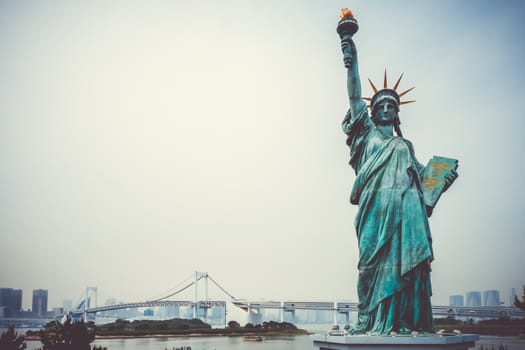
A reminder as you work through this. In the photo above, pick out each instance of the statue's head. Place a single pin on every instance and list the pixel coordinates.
(384, 105)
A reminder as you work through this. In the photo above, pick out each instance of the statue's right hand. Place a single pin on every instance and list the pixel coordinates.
(349, 51)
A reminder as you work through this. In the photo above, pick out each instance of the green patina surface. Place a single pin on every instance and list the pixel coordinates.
(395, 247)
(395, 244)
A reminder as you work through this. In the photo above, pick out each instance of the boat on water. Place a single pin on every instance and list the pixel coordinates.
(337, 332)
(253, 338)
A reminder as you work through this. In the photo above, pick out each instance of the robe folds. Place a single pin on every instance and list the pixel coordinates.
(395, 245)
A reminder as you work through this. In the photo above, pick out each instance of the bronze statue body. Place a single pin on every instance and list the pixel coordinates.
(395, 244)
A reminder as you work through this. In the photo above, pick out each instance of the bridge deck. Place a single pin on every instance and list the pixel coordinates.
(339, 306)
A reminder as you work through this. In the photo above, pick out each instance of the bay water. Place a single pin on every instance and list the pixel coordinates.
(303, 342)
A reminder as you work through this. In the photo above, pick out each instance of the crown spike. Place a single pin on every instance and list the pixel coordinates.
(373, 86)
(397, 83)
(405, 102)
(384, 81)
(406, 92)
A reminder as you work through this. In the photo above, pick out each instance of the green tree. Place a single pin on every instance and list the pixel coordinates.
(234, 324)
(67, 336)
(10, 340)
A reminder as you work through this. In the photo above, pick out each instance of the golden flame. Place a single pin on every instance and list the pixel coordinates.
(346, 13)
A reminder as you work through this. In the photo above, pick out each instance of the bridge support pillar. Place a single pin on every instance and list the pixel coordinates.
(254, 315)
(282, 311)
(335, 313)
(290, 319)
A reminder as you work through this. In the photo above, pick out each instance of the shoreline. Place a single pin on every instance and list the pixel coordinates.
(189, 335)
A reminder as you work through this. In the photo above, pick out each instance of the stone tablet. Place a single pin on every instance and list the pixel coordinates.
(434, 178)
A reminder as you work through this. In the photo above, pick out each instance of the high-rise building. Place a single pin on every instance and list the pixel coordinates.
(17, 301)
(512, 297)
(67, 304)
(6, 301)
(57, 311)
(473, 299)
(149, 312)
(218, 315)
(3, 310)
(39, 302)
(170, 312)
(491, 298)
(456, 300)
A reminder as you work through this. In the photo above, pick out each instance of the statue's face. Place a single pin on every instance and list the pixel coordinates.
(385, 112)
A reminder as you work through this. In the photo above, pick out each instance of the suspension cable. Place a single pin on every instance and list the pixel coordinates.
(81, 299)
(176, 292)
(231, 296)
(158, 295)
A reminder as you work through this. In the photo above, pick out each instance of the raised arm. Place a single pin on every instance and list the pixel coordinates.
(350, 60)
(353, 84)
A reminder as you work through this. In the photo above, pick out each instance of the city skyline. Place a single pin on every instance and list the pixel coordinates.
(220, 315)
(141, 142)
(496, 298)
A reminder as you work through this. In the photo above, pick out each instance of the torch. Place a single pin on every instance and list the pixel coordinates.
(347, 25)
(346, 28)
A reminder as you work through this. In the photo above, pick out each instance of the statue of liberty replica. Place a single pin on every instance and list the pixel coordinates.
(392, 191)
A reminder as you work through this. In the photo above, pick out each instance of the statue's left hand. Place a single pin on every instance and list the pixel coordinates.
(449, 179)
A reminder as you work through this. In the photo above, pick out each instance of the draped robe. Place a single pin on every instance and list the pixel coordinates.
(395, 246)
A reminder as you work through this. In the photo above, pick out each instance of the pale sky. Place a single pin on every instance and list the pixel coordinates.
(141, 141)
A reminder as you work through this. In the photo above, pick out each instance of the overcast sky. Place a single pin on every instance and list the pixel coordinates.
(141, 141)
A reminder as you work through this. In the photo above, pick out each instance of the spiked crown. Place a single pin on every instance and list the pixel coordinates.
(387, 94)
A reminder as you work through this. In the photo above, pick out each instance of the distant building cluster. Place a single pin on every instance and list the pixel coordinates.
(476, 298)
(11, 308)
(11, 304)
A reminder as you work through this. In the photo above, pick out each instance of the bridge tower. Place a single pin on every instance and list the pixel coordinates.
(196, 304)
(91, 293)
